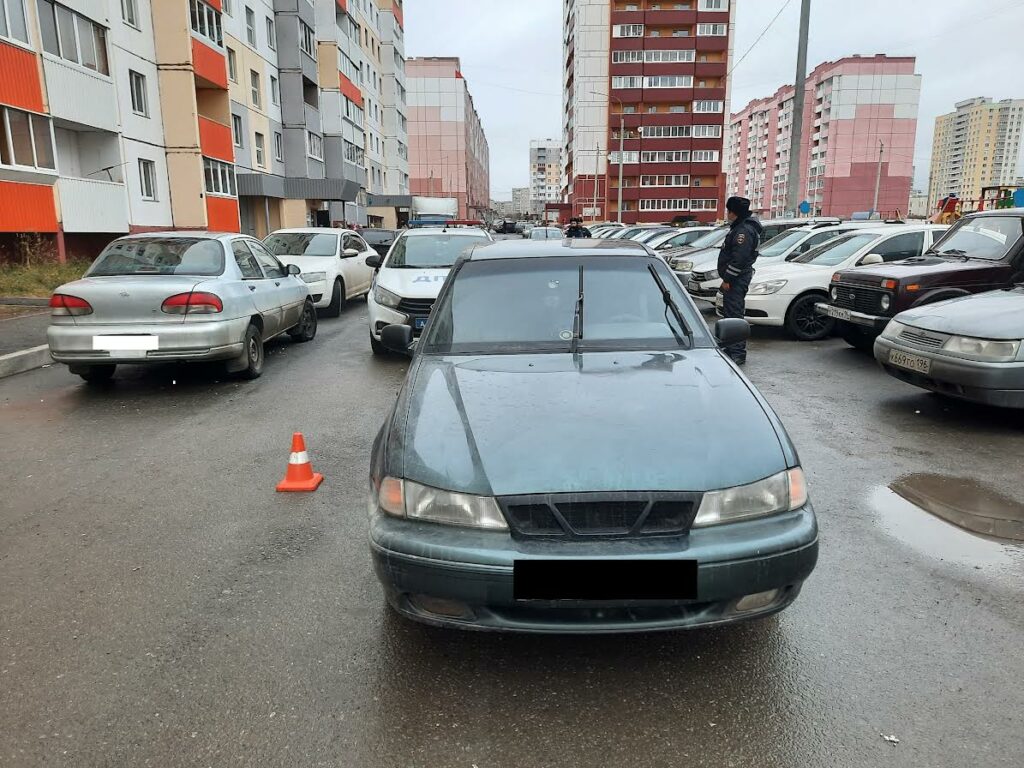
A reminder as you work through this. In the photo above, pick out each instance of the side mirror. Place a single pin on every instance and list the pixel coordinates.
(374, 261)
(396, 338)
(731, 330)
(871, 258)
(349, 253)
(294, 270)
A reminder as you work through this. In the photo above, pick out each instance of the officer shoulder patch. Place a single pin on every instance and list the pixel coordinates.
(741, 239)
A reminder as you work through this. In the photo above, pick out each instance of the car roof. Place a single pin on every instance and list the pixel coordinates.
(461, 231)
(997, 212)
(891, 228)
(200, 234)
(531, 249)
(313, 231)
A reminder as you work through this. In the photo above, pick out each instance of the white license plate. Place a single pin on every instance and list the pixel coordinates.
(692, 286)
(910, 362)
(720, 300)
(126, 346)
(837, 312)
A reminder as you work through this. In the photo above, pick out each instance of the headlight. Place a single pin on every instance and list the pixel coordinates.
(386, 297)
(711, 275)
(783, 492)
(314, 277)
(682, 266)
(834, 293)
(893, 330)
(983, 349)
(885, 303)
(404, 498)
(762, 289)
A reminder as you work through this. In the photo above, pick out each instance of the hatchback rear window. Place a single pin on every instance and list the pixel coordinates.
(431, 251)
(160, 256)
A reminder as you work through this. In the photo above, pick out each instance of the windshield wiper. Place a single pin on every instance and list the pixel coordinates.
(577, 320)
(670, 305)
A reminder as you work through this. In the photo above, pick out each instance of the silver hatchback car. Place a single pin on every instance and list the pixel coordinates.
(178, 296)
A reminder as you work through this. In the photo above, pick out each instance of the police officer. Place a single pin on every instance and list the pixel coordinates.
(736, 265)
(576, 228)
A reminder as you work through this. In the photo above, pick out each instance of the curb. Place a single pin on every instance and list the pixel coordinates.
(24, 301)
(24, 360)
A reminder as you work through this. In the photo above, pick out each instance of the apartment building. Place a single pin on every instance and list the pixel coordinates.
(545, 173)
(660, 70)
(856, 110)
(448, 151)
(521, 200)
(235, 115)
(979, 144)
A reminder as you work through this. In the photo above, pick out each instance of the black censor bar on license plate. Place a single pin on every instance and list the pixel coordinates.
(604, 579)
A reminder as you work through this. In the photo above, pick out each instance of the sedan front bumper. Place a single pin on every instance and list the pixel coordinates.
(875, 322)
(1000, 384)
(185, 341)
(463, 578)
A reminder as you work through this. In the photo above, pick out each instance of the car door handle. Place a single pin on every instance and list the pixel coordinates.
(276, 283)
(252, 287)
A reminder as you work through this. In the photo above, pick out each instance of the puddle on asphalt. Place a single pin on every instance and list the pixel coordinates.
(920, 527)
(966, 503)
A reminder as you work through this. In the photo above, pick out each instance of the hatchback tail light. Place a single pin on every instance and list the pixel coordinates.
(193, 303)
(62, 305)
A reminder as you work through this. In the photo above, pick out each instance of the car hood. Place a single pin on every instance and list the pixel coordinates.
(413, 283)
(918, 266)
(784, 270)
(309, 263)
(605, 421)
(993, 315)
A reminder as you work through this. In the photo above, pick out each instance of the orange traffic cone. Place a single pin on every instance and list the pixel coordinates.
(300, 475)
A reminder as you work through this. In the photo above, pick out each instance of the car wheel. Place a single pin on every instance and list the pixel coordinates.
(97, 374)
(377, 347)
(857, 337)
(252, 349)
(337, 300)
(803, 323)
(306, 329)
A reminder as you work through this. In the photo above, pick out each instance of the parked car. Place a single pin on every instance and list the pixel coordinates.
(678, 237)
(333, 263)
(785, 294)
(771, 228)
(379, 239)
(980, 252)
(531, 474)
(969, 347)
(646, 236)
(546, 233)
(409, 277)
(682, 259)
(178, 297)
(627, 233)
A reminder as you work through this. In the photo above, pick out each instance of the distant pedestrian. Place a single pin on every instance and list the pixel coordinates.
(576, 228)
(736, 265)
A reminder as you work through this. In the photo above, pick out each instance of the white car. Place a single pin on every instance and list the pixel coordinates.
(784, 294)
(411, 275)
(333, 263)
(677, 238)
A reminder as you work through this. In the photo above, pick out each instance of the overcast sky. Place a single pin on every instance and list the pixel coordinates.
(512, 52)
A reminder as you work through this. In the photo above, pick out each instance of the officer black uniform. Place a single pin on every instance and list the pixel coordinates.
(736, 265)
(576, 229)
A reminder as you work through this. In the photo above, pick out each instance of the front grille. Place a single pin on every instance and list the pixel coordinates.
(415, 306)
(867, 300)
(702, 277)
(600, 515)
(922, 338)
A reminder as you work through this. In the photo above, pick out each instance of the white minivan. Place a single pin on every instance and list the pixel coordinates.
(410, 277)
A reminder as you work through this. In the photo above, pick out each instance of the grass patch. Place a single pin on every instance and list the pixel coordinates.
(38, 279)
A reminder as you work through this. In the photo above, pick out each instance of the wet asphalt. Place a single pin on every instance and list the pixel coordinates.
(160, 605)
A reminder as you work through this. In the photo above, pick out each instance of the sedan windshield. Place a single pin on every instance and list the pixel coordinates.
(834, 251)
(711, 239)
(431, 251)
(515, 305)
(159, 256)
(779, 244)
(302, 244)
(984, 237)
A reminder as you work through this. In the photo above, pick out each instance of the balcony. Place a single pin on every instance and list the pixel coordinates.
(210, 66)
(672, 16)
(92, 205)
(80, 95)
(215, 140)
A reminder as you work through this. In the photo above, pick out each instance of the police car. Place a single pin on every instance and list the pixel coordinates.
(410, 277)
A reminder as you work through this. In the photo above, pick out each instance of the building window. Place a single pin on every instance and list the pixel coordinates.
(275, 90)
(147, 179)
(278, 146)
(206, 21)
(665, 205)
(232, 66)
(13, 22)
(627, 157)
(705, 156)
(354, 154)
(668, 57)
(137, 86)
(219, 177)
(628, 30)
(666, 131)
(314, 146)
(707, 106)
(71, 36)
(254, 83)
(627, 82)
(250, 26)
(271, 34)
(129, 12)
(713, 5)
(627, 57)
(669, 81)
(712, 30)
(261, 151)
(707, 131)
(307, 40)
(236, 129)
(677, 180)
(668, 156)
(26, 140)
(704, 205)
(228, 7)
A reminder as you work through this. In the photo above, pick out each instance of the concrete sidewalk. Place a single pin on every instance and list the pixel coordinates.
(23, 342)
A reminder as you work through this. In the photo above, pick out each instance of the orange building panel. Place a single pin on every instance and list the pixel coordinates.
(27, 208)
(215, 140)
(19, 79)
(351, 90)
(222, 214)
(209, 64)
(397, 10)
(215, 3)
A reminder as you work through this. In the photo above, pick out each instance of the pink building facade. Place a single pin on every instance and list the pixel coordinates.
(448, 151)
(852, 108)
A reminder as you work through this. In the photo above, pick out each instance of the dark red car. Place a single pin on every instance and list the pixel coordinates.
(981, 252)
